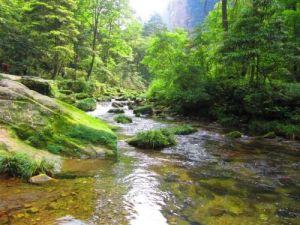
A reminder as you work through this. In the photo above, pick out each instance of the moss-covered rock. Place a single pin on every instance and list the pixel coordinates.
(234, 134)
(48, 124)
(144, 110)
(154, 139)
(183, 130)
(270, 135)
(88, 104)
(39, 85)
(123, 119)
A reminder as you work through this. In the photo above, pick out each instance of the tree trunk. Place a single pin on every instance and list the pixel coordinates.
(94, 44)
(224, 15)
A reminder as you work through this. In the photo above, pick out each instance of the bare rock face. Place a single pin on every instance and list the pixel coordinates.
(187, 14)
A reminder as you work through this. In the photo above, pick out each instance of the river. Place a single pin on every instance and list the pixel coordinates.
(206, 179)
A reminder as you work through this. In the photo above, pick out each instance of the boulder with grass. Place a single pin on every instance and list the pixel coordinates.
(41, 124)
(144, 110)
(87, 105)
(123, 119)
(183, 130)
(154, 139)
(234, 135)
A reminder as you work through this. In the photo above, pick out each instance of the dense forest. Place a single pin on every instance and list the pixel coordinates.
(114, 120)
(241, 67)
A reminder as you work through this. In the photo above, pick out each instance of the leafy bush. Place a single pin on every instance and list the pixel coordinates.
(183, 130)
(155, 139)
(20, 165)
(123, 119)
(88, 104)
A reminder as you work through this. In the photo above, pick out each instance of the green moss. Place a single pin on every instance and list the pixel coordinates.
(20, 165)
(183, 130)
(234, 134)
(144, 110)
(154, 139)
(123, 119)
(88, 104)
(55, 149)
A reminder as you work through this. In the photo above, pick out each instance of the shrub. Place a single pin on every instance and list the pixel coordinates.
(20, 165)
(183, 130)
(88, 104)
(155, 139)
(123, 119)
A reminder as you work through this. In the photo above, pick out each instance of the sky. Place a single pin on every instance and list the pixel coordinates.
(145, 8)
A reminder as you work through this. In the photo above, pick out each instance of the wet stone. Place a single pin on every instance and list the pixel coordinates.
(288, 213)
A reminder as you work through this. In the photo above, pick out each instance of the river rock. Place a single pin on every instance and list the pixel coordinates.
(40, 179)
(270, 135)
(116, 111)
(117, 104)
(234, 134)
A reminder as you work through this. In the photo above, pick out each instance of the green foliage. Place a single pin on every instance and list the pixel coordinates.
(183, 130)
(88, 104)
(154, 139)
(20, 165)
(123, 119)
(90, 135)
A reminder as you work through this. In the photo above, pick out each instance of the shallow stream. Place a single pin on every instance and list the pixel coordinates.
(205, 179)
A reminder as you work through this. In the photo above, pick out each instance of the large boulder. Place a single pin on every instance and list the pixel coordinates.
(48, 124)
(36, 84)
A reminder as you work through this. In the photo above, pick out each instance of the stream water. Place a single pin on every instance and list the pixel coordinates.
(205, 179)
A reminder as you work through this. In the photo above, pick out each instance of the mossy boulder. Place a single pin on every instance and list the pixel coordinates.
(234, 135)
(270, 135)
(154, 139)
(88, 104)
(36, 84)
(48, 124)
(144, 110)
(183, 130)
(123, 119)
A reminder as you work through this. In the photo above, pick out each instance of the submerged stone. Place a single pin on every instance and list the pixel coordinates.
(40, 179)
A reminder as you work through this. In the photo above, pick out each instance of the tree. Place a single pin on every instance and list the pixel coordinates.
(224, 15)
(53, 32)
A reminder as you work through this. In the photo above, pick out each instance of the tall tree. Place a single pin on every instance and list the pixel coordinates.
(224, 15)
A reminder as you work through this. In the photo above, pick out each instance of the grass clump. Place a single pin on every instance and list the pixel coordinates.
(123, 119)
(88, 104)
(183, 130)
(154, 139)
(93, 136)
(20, 165)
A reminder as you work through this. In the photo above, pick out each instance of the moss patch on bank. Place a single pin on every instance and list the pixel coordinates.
(49, 124)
